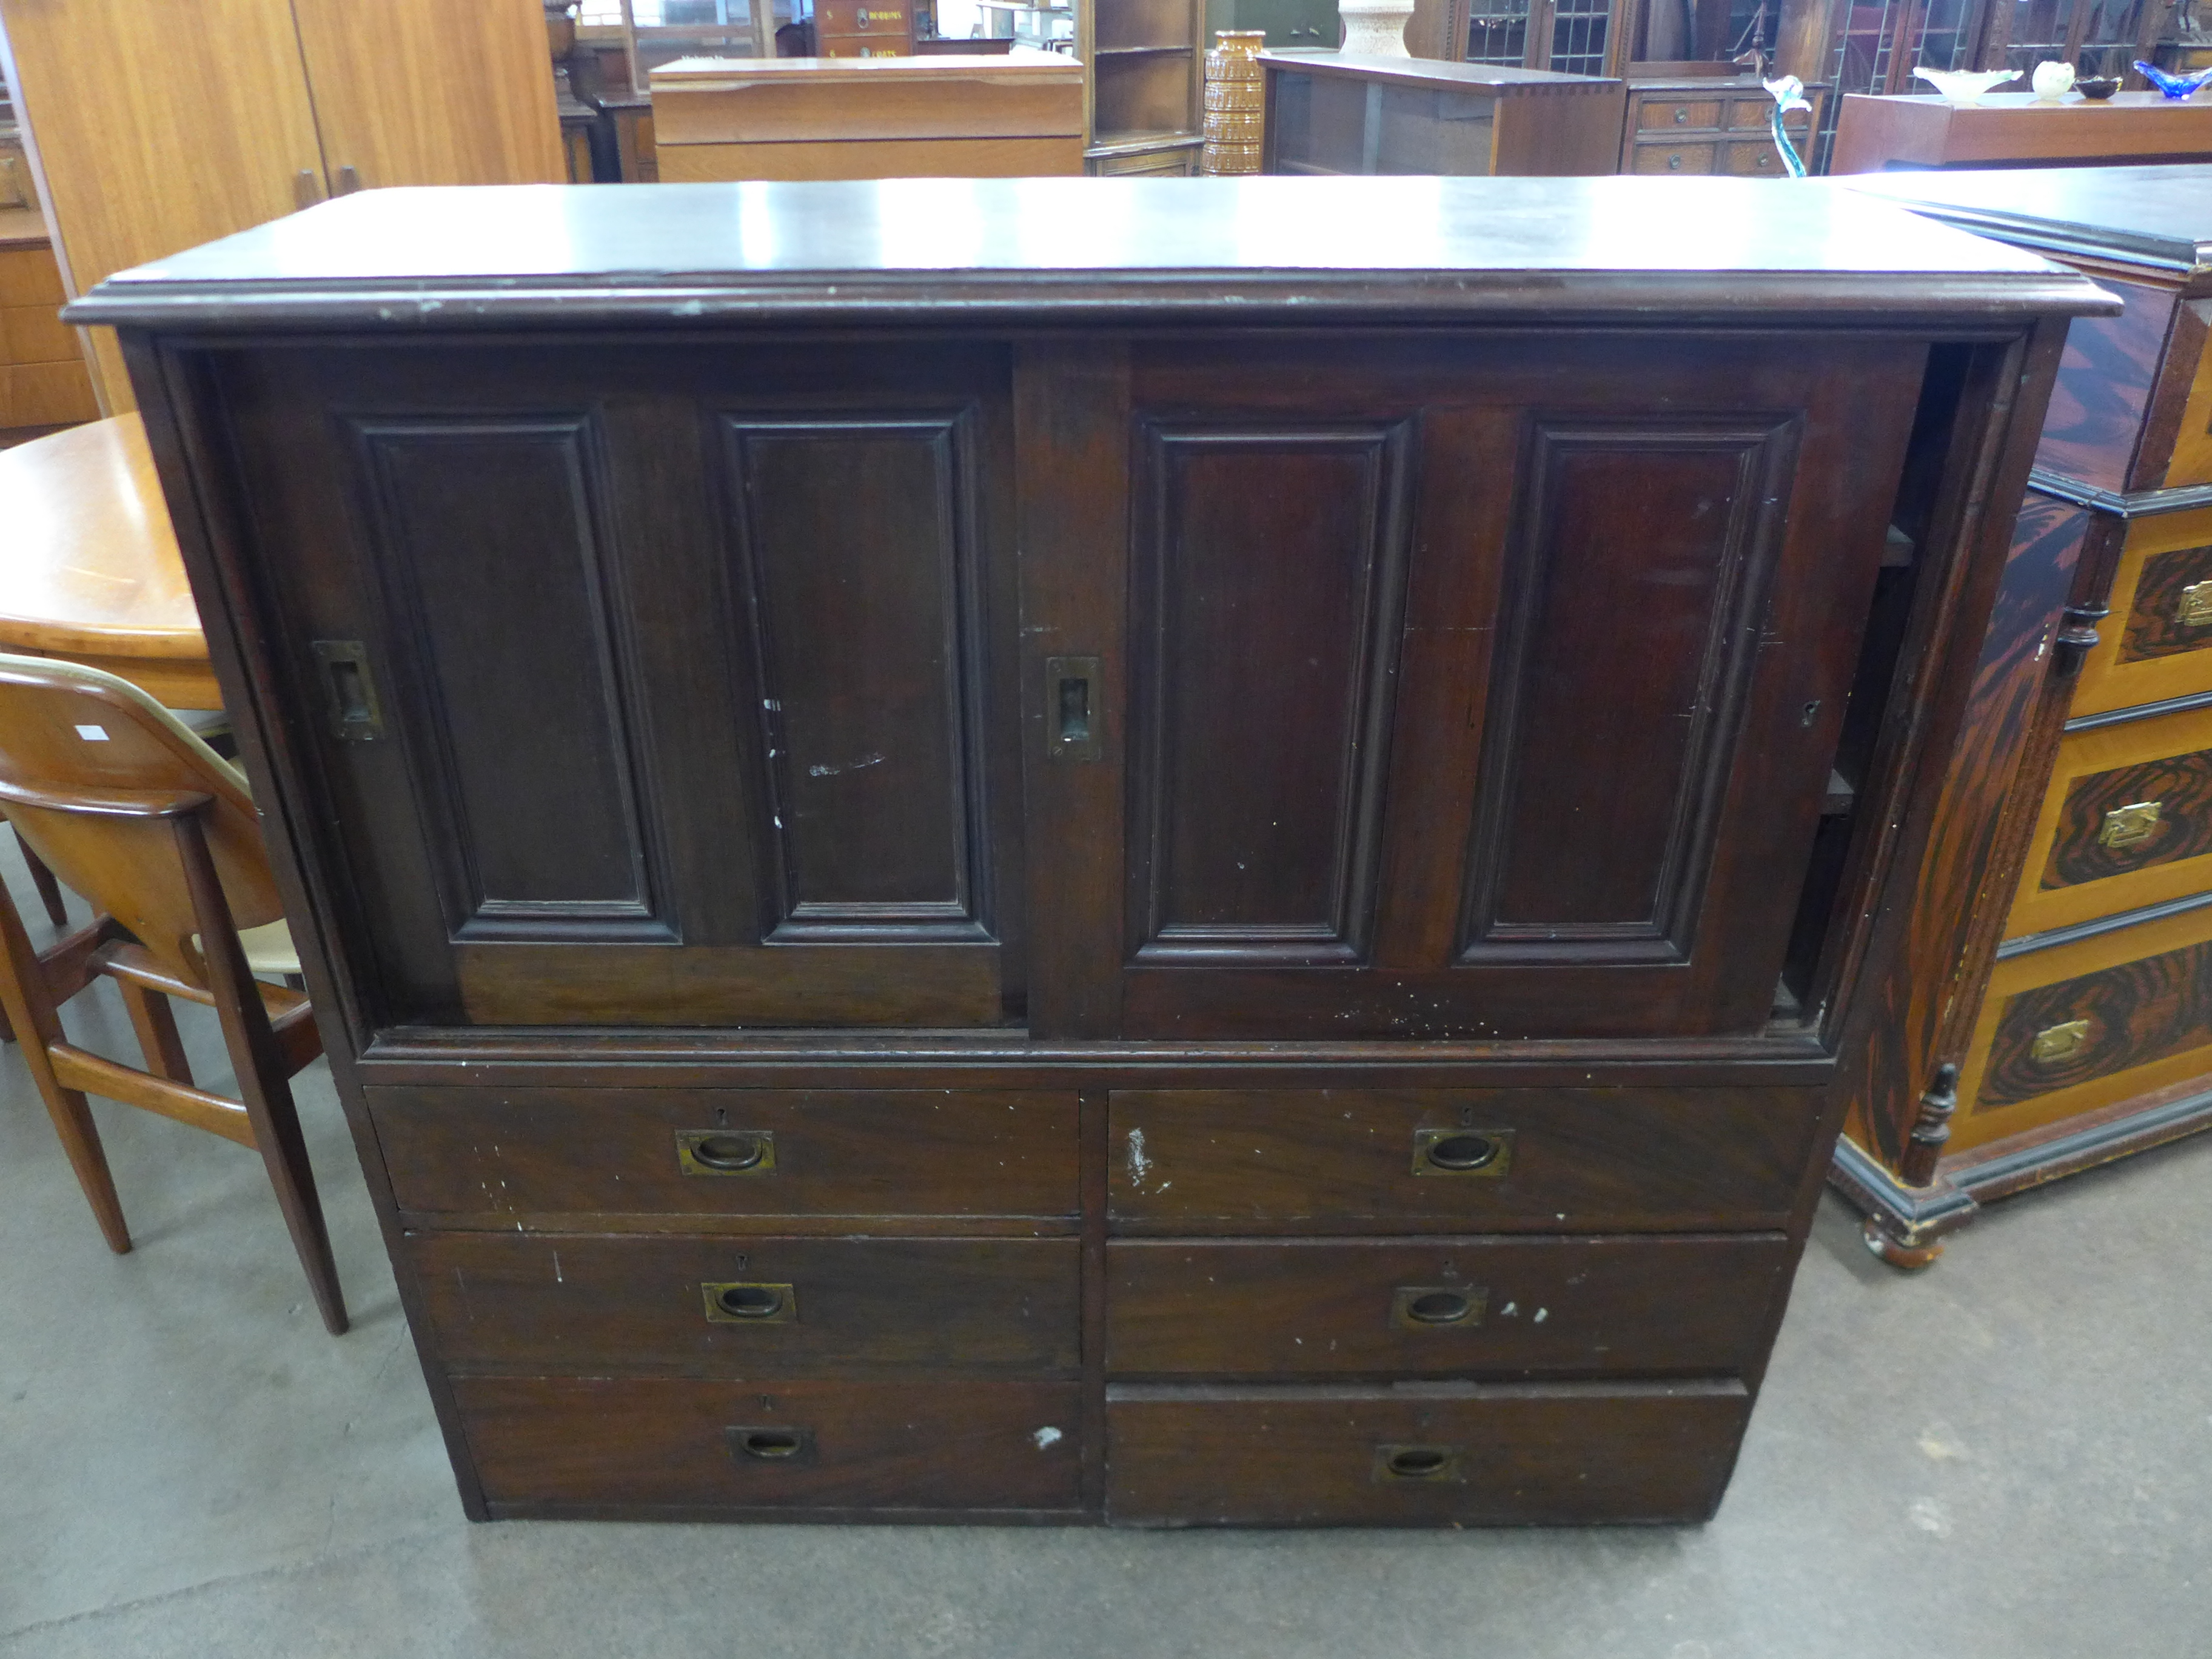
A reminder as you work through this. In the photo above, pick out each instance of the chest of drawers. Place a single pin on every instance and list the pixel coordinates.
(2076, 1007)
(1705, 125)
(1088, 849)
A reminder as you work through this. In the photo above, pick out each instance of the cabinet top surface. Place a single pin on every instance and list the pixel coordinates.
(714, 73)
(1261, 250)
(1432, 72)
(2154, 215)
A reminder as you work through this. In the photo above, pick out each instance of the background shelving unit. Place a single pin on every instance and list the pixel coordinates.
(1142, 91)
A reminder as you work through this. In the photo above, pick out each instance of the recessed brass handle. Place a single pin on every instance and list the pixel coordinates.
(726, 1151)
(2194, 607)
(2055, 1043)
(1438, 1307)
(774, 1443)
(750, 1305)
(1485, 1153)
(2131, 825)
(1420, 1463)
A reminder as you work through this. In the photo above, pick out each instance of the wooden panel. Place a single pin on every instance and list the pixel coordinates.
(473, 105)
(2104, 385)
(2192, 460)
(563, 1302)
(34, 334)
(2148, 651)
(1684, 158)
(1651, 546)
(857, 582)
(523, 722)
(1261, 706)
(154, 137)
(47, 394)
(1583, 1160)
(901, 158)
(1318, 1456)
(908, 1444)
(1531, 1306)
(477, 1157)
(29, 276)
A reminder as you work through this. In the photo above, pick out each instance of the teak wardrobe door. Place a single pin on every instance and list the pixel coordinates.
(426, 92)
(1458, 687)
(657, 684)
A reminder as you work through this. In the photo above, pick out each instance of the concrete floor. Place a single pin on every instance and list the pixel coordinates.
(2010, 1456)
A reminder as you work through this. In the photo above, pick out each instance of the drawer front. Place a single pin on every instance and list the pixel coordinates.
(1323, 1456)
(30, 276)
(1366, 1161)
(2157, 644)
(1756, 159)
(1465, 1306)
(35, 334)
(2086, 1025)
(1150, 164)
(570, 1301)
(1671, 115)
(859, 17)
(493, 1156)
(1674, 158)
(884, 1445)
(2126, 823)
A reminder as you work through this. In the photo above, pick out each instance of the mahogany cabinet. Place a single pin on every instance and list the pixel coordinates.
(1098, 849)
(2075, 1004)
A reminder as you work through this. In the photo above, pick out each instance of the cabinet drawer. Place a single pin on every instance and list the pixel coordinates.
(493, 1156)
(568, 1302)
(1694, 115)
(1421, 1454)
(1465, 1306)
(1367, 1161)
(859, 17)
(661, 1443)
(2092, 1024)
(2158, 642)
(1674, 158)
(30, 276)
(1755, 158)
(2126, 821)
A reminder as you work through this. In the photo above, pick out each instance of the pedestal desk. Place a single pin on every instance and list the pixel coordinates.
(2078, 1010)
(1197, 852)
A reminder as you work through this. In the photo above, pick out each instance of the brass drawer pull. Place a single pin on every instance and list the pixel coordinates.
(1674, 162)
(1487, 1153)
(1681, 117)
(726, 1151)
(1434, 1463)
(750, 1305)
(2056, 1043)
(770, 1444)
(2194, 608)
(1438, 1307)
(2129, 826)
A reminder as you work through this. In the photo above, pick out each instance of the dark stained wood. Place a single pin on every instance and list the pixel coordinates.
(1217, 1161)
(596, 1303)
(782, 447)
(1227, 1456)
(2136, 1013)
(477, 1157)
(1533, 1307)
(646, 1443)
(2105, 387)
(2154, 627)
(2181, 785)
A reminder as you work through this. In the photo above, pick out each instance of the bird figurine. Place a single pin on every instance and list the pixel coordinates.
(2174, 85)
(1789, 93)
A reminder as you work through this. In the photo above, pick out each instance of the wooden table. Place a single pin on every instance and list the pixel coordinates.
(2017, 129)
(92, 572)
(1016, 116)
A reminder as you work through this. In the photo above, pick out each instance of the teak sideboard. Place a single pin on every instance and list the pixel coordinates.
(1214, 852)
(2080, 1010)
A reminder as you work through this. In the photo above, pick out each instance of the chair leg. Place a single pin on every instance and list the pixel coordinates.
(28, 1001)
(262, 1082)
(155, 1023)
(49, 890)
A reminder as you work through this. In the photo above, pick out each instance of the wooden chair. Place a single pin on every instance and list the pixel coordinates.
(131, 810)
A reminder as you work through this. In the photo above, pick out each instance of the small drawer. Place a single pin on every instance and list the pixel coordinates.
(2087, 1024)
(2157, 643)
(859, 17)
(740, 1307)
(1674, 158)
(1500, 1307)
(35, 334)
(1756, 159)
(2126, 823)
(498, 1156)
(1420, 1454)
(650, 1443)
(29, 276)
(1695, 115)
(1441, 1160)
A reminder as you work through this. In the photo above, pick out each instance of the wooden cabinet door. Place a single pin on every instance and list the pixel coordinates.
(660, 686)
(426, 91)
(1476, 689)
